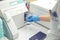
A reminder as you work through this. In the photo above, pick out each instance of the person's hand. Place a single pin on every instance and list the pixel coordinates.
(32, 18)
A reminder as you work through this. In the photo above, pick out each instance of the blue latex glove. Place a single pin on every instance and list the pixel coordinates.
(32, 18)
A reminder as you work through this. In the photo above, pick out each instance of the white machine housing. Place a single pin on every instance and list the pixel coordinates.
(13, 14)
(41, 7)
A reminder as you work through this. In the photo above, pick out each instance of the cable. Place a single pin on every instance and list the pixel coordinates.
(42, 25)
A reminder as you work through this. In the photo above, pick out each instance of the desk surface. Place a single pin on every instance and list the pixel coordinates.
(29, 30)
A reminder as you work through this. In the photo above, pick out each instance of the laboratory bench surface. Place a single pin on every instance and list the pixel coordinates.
(29, 30)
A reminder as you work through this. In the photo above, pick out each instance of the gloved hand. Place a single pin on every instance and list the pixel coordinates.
(32, 18)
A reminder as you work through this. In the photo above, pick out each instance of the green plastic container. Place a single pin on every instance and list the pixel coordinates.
(1, 29)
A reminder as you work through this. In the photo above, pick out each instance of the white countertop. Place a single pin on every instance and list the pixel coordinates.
(29, 30)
